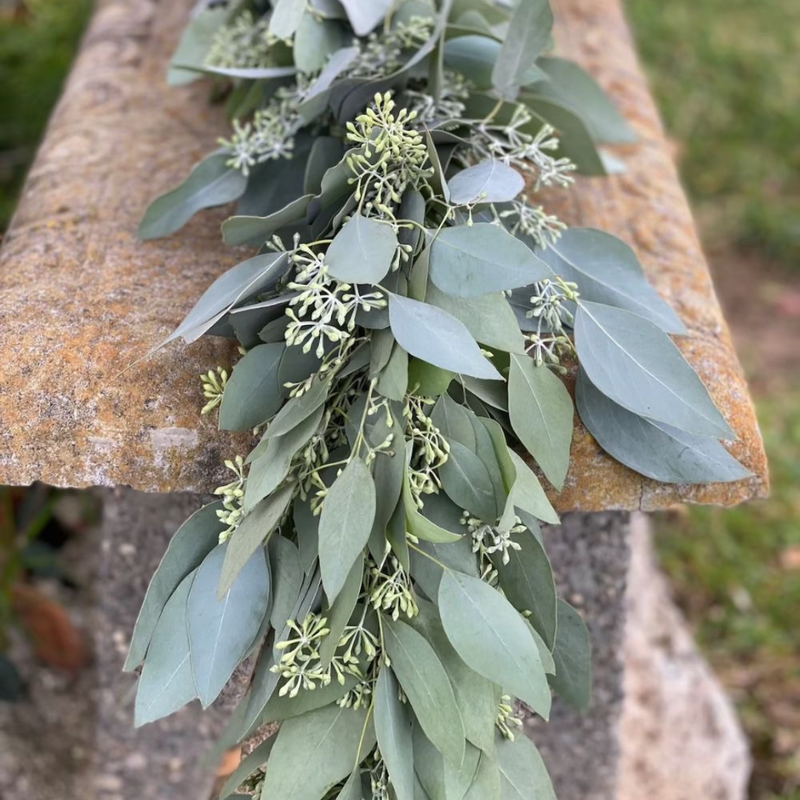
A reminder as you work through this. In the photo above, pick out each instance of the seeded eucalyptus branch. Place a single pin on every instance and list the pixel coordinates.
(404, 325)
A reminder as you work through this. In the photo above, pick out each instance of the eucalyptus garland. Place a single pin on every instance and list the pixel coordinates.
(404, 327)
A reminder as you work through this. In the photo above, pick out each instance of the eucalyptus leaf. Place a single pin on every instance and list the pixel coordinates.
(453, 420)
(326, 153)
(635, 364)
(286, 17)
(527, 581)
(254, 275)
(425, 683)
(489, 181)
(569, 83)
(365, 15)
(257, 230)
(487, 784)
(330, 739)
(426, 380)
(251, 533)
(167, 682)
(541, 415)
(253, 393)
(345, 524)
(573, 659)
(524, 774)
(315, 41)
(469, 261)
(489, 318)
(195, 42)
(654, 449)
(608, 271)
(490, 636)
(437, 337)
(211, 183)
(393, 378)
(466, 481)
(249, 764)
(340, 611)
(287, 579)
(362, 252)
(393, 730)
(457, 780)
(528, 493)
(528, 35)
(222, 632)
(194, 540)
(299, 409)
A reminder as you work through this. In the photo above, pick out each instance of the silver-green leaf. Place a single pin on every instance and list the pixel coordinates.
(393, 730)
(362, 252)
(253, 393)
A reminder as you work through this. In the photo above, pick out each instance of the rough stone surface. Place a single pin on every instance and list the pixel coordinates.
(82, 301)
(681, 739)
(590, 556)
(74, 738)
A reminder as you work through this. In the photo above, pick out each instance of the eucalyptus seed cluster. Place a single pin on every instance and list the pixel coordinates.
(390, 589)
(516, 145)
(269, 135)
(506, 718)
(488, 539)
(448, 106)
(550, 343)
(389, 157)
(530, 220)
(429, 448)
(300, 663)
(242, 44)
(214, 382)
(232, 494)
(324, 310)
(382, 54)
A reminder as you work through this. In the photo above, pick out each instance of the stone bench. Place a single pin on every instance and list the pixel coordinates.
(82, 301)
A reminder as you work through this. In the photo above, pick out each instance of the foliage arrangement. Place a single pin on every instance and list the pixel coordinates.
(405, 326)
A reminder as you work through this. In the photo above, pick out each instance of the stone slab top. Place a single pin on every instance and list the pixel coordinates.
(82, 300)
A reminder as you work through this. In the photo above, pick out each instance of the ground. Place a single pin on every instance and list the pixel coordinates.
(725, 75)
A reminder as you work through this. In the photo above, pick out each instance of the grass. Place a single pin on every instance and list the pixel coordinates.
(38, 39)
(725, 73)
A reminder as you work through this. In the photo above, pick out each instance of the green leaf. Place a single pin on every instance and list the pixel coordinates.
(453, 420)
(326, 153)
(352, 788)
(253, 393)
(466, 481)
(422, 527)
(490, 635)
(196, 41)
(315, 751)
(307, 525)
(654, 449)
(477, 697)
(425, 683)
(211, 183)
(287, 578)
(573, 659)
(524, 775)
(489, 181)
(254, 275)
(489, 318)
(528, 494)
(393, 730)
(575, 141)
(286, 17)
(315, 41)
(167, 683)
(608, 271)
(528, 35)
(437, 337)
(222, 632)
(271, 466)
(458, 780)
(365, 16)
(429, 767)
(279, 709)
(635, 364)
(572, 85)
(249, 764)
(426, 380)
(340, 611)
(474, 56)
(487, 784)
(541, 415)
(195, 539)
(469, 261)
(527, 581)
(362, 252)
(257, 230)
(345, 524)
(393, 378)
(299, 409)
(250, 535)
